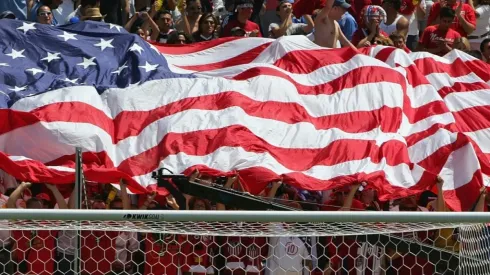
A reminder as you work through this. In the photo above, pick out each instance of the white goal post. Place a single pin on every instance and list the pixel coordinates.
(435, 241)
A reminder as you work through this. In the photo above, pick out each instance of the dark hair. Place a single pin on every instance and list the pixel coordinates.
(482, 44)
(397, 4)
(85, 3)
(173, 37)
(447, 12)
(160, 13)
(30, 202)
(193, 201)
(203, 19)
(394, 36)
(476, 54)
(114, 201)
(37, 12)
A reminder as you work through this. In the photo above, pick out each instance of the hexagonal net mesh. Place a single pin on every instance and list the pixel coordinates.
(166, 247)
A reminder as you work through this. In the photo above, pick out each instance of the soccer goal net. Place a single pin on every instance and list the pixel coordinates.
(242, 242)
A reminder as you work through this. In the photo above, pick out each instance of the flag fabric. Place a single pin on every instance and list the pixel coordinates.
(265, 109)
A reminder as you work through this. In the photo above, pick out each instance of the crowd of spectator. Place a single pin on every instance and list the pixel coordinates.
(411, 25)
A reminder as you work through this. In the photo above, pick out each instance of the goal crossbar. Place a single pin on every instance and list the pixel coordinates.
(246, 216)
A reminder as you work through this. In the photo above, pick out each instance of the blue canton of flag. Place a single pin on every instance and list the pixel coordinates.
(36, 58)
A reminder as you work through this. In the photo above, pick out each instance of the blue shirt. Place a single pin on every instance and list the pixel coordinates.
(348, 25)
(17, 7)
(33, 15)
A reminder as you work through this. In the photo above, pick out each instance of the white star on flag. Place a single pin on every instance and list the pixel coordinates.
(27, 27)
(149, 67)
(87, 62)
(104, 44)
(136, 48)
(120, 69)
(35, 71)
(16, 54)
(51, 57)
(73, 81)
(67, 36)
(112, 26)
(18, 89)
(4, 65)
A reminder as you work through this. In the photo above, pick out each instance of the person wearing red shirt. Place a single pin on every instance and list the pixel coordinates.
(369, 31)
(465, 20)
(439, 39)
(240, 19)
(34, 249)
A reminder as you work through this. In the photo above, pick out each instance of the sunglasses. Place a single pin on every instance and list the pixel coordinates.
(45, 13)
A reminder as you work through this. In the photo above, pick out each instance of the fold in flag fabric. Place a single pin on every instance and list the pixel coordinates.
(265, 109)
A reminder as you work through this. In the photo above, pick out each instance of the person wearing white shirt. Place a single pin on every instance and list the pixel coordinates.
(287, 256)
(482, 31)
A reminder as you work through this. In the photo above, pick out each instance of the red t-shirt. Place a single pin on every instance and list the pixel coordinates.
(360, 35)
(466, 11)
(432, 34)
(249, 26)
(163, 254)
(98, 251)
(36, 248)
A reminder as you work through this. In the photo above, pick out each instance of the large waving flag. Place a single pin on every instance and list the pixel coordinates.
(319, 118)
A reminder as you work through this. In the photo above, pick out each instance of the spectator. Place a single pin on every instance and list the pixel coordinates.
(327, 31)
(269, 14)
(7, 15)
(485, 50)
(394, 21)
(347, 23)
(207, 28)
(191, 13)
(439, 39)
(370, 32)
(52, 4)
(482, 30)
(17, 7)
(287, 27)
(244, 10)
(465, 20)
(45, 16)
(134, 25)
(178, 37)
(399, 42)
(410, 9)
(33, 250)
(165, 23)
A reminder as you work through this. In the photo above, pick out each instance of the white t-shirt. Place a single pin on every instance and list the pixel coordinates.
(482, 22)
(413, 27)
(286, 254)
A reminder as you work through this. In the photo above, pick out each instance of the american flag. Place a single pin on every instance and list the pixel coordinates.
(319, 118)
